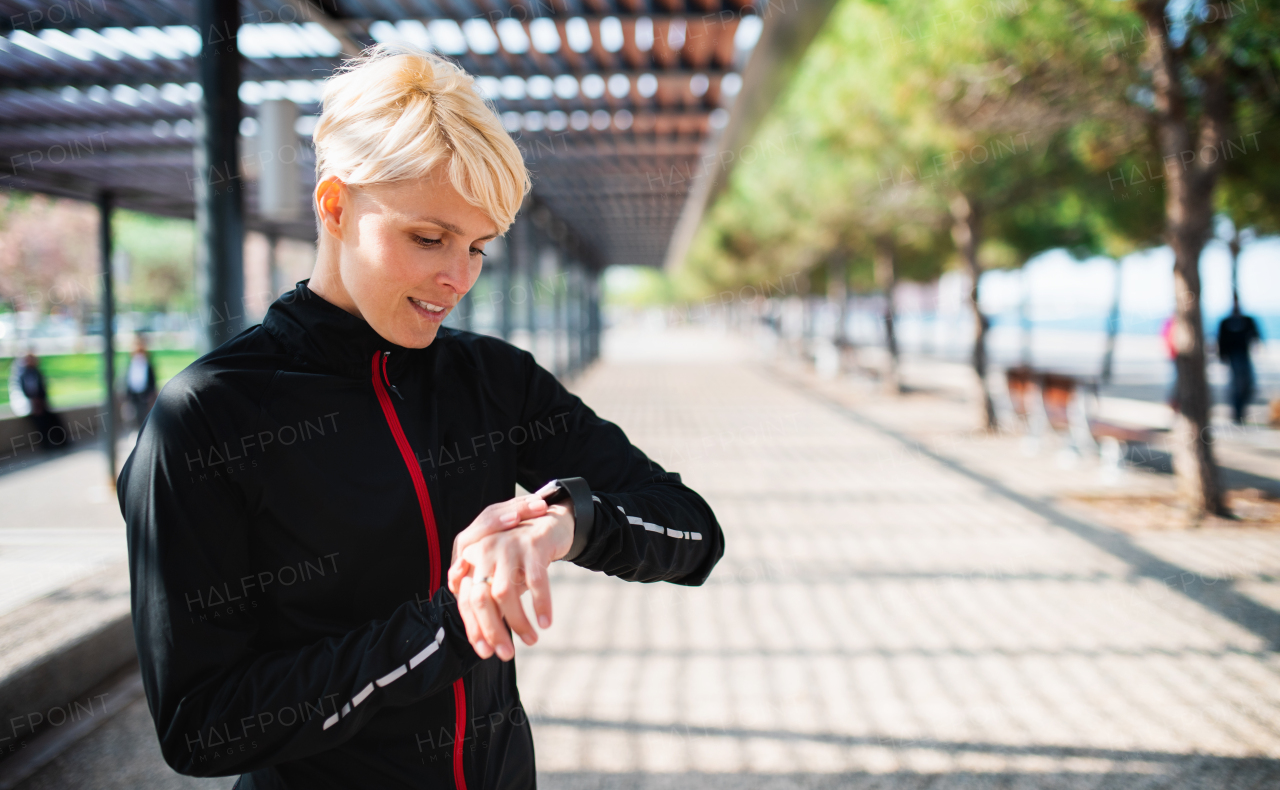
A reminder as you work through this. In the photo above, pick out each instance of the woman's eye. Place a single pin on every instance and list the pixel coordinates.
(425, 242)
(474, 251)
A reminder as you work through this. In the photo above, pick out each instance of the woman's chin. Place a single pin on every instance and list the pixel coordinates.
(412, 334)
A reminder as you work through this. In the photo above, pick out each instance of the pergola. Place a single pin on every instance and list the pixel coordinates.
(628, 112)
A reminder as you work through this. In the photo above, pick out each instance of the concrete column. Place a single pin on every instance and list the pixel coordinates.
(218, 185)
(279, 187)
(273, 265)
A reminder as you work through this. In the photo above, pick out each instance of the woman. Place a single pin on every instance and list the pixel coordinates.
(29, 397)
(295, 493)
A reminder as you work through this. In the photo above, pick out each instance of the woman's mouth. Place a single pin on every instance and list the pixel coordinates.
(428, 310)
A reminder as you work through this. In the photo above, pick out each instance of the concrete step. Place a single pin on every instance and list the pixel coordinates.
(58, 650)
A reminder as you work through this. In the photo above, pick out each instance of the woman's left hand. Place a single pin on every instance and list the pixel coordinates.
(503, 565)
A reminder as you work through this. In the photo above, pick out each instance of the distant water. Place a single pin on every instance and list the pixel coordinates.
(1268, 323)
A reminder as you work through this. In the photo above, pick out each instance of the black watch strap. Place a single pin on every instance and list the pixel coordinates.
(578, 493)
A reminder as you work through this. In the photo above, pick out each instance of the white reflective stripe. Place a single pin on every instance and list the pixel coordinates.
(391, 676)
(595, 498)
(424, 655)
(696, 535)
(658, 528)
(386, 679)
(363, 695)
(431, 648)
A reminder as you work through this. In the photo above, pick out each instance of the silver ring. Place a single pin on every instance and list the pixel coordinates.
(485, 580)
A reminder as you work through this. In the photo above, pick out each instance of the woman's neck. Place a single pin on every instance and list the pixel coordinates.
(326, 281)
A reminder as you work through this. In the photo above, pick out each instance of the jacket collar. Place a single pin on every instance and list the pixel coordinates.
(325, 336)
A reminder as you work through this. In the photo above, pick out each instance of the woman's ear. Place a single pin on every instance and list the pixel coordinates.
(332, 198)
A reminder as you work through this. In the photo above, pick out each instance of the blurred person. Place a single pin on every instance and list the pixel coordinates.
(29, 397)
(325, 554)
(1236, 335)
(140, 381)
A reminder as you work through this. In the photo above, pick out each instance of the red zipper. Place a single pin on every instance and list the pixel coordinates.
(433, 543)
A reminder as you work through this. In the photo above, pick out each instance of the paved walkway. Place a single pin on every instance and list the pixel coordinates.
(59, 522)
(902, 605)
(892, 614)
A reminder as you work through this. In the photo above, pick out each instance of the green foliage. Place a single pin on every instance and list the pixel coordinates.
(899, 107)
(161, 254)
(75, 379)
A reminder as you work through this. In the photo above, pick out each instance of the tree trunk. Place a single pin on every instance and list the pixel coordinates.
(967, 233)
(1190, 178)
(1234, 246)
(838, 296)
(1113, 326)
(886, 272)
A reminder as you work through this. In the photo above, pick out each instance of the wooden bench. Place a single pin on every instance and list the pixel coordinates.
(1115, 439)
(1051, 402)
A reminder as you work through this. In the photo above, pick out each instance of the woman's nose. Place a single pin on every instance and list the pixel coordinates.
(457, 272)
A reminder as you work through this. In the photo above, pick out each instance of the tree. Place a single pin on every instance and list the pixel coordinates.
(1204, 63)
(982, 111)
(48, 254)
(1249, 192)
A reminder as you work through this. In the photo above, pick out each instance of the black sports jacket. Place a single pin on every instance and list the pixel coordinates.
(291, 507)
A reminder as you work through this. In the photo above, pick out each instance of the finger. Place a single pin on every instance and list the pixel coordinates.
(465, 609)
(496, 518)
(492, 629)
(529, 507)
(459, 570)
(539, 585)
(508, 584)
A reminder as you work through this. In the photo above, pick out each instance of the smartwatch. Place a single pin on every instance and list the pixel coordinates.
(576, 492)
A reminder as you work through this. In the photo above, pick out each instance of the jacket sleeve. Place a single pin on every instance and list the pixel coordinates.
(646, 524)
(221, 705)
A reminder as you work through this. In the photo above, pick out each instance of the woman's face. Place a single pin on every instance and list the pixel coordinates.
(407, 252)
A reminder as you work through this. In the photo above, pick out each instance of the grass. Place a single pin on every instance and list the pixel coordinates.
(76, 379)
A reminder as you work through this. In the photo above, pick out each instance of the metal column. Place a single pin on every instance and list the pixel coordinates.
(111, 425)
(573, 318)
(593, 316)
(505, 279)
(529, 274)
(218, 184)
(584, 313)
(557, 313)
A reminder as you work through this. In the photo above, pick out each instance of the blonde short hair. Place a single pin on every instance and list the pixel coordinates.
(396, 112)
